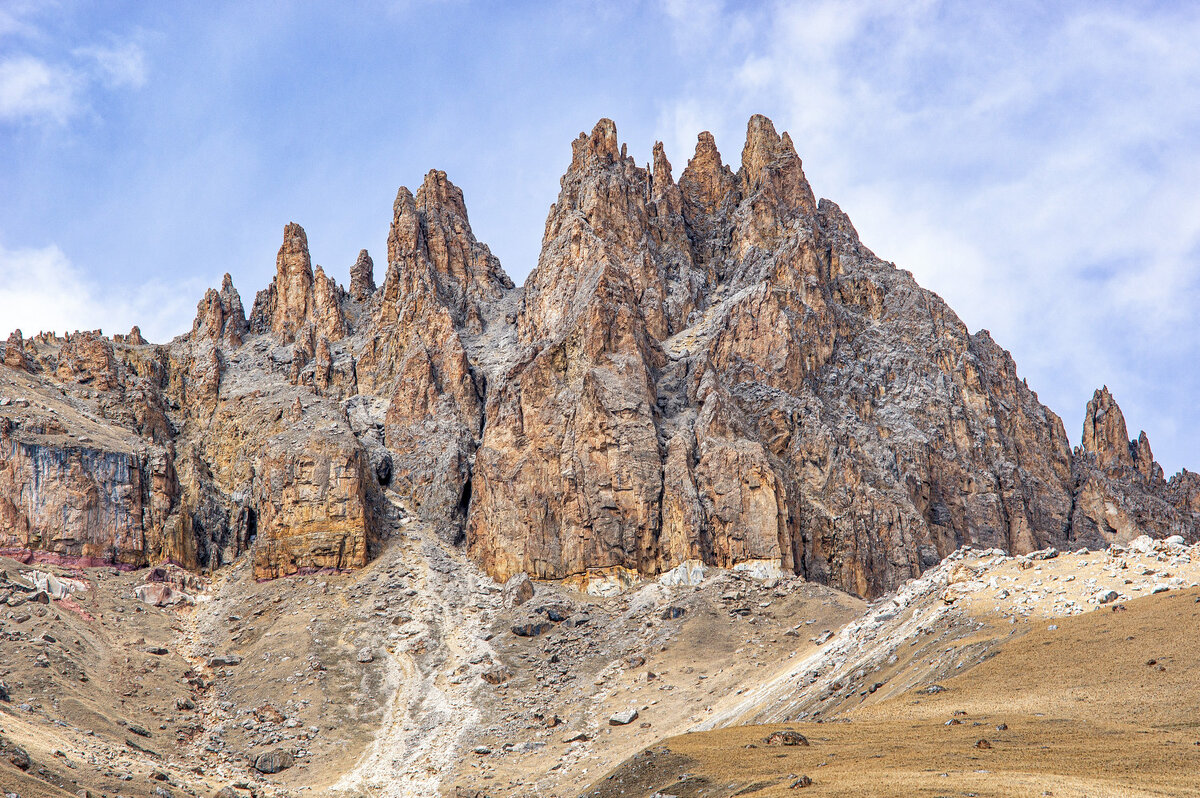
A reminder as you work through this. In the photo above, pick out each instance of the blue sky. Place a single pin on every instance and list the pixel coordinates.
(1037, 167)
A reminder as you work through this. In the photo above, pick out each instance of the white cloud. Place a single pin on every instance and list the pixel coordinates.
(42, 291)
(118, 66)
(15, 17)
(32, 90)
(38, 90)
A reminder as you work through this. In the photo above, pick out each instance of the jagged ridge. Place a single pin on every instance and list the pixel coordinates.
(714, 369)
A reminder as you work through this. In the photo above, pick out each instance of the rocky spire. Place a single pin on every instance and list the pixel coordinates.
(1143, 458)
(14, 352)
(431, 245)
(710, 192)
(1104, 432)
(600, 146)
(662, 184)
(770, 166)
(437, 195)
(292, 302)
(294, 297)
(362, 277)
(327, 307)
(220, 316)
(706, 182)
(135, 336)
(404, 242)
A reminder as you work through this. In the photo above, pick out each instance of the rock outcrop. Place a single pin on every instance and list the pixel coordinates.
(312, 511)
(220, 315)
(1120, 492)
(362, 277)
(1104, 433)
(296, 297)
(712, 369)
(14, 352)
(68, 498)
(441, 285)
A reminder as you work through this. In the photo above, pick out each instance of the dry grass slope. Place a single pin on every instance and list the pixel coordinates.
(1073, 711)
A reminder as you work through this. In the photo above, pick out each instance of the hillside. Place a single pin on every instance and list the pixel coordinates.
(714, 465)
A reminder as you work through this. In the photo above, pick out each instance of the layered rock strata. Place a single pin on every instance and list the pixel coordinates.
(712, 368)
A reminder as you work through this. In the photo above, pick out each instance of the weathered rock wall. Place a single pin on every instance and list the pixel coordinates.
(87, 505)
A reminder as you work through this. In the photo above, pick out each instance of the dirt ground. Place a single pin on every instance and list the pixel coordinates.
(374, 680)
(1105, 704)
(414, 677)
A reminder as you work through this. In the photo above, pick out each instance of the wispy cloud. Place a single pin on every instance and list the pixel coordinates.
(118, 66)
(32, 90)
(42, 82)
(42, 291)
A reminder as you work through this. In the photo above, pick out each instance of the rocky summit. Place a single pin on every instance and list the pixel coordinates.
(710, 369)
(713, 478)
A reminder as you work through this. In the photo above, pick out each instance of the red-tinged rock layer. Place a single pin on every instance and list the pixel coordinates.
(62, 499)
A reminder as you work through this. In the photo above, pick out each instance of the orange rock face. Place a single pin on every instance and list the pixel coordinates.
(711, 369)
(312, 511)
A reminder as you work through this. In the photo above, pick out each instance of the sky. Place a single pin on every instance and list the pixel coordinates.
(1035, 164)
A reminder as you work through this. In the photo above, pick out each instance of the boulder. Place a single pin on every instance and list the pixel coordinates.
(517, 590)
(623, 718)
(786, 737)
(274, 761)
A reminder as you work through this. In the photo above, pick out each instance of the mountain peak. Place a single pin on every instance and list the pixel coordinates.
(1104, 431)
(601, 145)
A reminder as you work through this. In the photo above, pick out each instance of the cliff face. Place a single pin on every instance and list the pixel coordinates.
(710, 369)
(722, 372)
